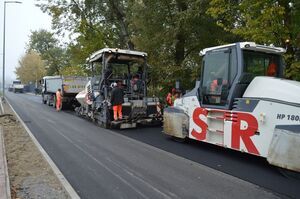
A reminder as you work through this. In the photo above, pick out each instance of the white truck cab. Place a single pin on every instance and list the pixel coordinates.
(17, 86)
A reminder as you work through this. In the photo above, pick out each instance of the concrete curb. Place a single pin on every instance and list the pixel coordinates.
(66, 185)
(4, 178)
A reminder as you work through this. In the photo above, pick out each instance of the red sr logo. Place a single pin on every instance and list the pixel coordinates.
(237, 133)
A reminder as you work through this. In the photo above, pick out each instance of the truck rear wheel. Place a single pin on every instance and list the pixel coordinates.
(54, 102)
(43, 100)
(48, 101)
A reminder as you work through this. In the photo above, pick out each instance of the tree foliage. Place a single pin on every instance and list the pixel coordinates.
(73, 71)
(31, 68)
(99, 22)
(47, 46)
(173, 32)
(42, 41)
(264, 21)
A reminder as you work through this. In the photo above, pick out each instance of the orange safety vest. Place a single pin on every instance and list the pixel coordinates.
(214, 85)
(169, 99)
(58, 96)
(272, 68)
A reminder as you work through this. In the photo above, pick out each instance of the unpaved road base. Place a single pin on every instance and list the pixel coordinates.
(30, 175)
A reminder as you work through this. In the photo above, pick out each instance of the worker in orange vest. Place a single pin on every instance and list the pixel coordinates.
(272, 69)
(58, 99)
(171, 97)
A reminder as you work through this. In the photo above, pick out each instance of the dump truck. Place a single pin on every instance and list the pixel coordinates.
(242, 102)
(70, 86)
(17, 87)
(111, 65)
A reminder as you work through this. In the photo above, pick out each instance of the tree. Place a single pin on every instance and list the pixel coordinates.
(263, 21)
(31, 68)
(94, 21)
(47, 46)
(173, 32)
(41, 41)
(73, 71)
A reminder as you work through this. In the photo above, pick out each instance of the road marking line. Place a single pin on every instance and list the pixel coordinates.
(67, 186)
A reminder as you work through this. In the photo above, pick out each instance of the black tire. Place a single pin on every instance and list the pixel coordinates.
(48, 101)
(54, 102)
(43, 101)
(106, 125)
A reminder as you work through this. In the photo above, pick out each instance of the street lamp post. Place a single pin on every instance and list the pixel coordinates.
(3, 53)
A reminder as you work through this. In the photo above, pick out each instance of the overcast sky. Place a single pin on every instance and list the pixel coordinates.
(21, 19)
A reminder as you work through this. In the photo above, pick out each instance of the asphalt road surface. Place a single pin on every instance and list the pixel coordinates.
(143, 163)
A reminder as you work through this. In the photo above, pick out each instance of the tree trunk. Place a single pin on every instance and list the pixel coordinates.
(121, 19)
(180, 36)
(179, 48)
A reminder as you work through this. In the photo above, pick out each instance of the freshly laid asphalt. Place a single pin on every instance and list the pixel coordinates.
(143, 163)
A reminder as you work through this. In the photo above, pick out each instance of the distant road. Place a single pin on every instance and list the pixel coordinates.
(142, 163)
